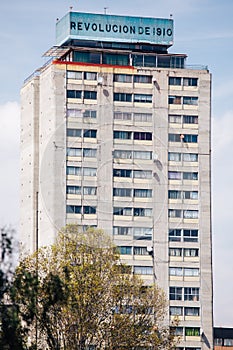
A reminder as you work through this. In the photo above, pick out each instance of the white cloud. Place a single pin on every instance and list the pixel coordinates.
(9, 160)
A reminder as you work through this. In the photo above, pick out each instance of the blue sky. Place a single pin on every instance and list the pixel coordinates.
(203, 30)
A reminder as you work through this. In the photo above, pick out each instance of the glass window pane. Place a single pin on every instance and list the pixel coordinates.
(90, 75)
(174, 81)
(190, 100)
(89, 171)
(116, 59)
(122, 78)
(176, 119)
(74, 75)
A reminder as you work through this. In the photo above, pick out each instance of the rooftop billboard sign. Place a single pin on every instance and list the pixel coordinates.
(97, 27)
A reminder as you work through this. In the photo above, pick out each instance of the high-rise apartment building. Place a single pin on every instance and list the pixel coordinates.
(115, 134)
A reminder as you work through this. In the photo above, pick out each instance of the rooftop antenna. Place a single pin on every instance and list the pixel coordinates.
(105, 10)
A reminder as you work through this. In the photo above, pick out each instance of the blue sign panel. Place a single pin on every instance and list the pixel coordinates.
(89, 26)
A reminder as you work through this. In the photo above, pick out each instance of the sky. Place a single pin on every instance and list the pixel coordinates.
(203, 30)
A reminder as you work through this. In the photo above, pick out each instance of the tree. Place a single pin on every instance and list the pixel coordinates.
(76, 295)
(11, 332)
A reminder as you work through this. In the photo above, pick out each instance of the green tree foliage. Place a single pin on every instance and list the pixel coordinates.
(11, 331)
(77, 295)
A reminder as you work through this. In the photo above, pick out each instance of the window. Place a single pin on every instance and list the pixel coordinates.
(142, 233)
(181, 137)
(175, 271)
(143, 98)
(122, 78)
(218, 341)
(192, 332)
(122, 116)
(89, 191)
(228, 342)
(174, 156)
(125, 250)
(74, 75)
(174, 119)
(125, 135)
(74, 113)
(122, 154)
(190, 81)
(175, 252)
(140, 251)
(142, 117)
(87, 209)
(122, 97)
(142, 212)
(116, 59)
(174, 100)
(189, 138)
(90, 133)
(88, 113)
(89, 152)
(143, 270)
(191, 252)
(190, 214)
(190, 194)
(174, 213)
(142, 155)
(142, 136)
(142, 193)
(190, 176)
(175, 235)
(122, 192)
(190, 235)
(178, 331)
(89, 171)
(74, 152)
(177, 62)
(175, 293)
(191, 272)
(174, 81)
(74, 93)
(145, 79)
(73, 209)
(190, 157)
(78, 113)
(73, 190)
(172, 194)
(122, 211)
(72, 170)
(163, 61)
(192, 311)
(190, 100)
(176, 311)
(142, 174)
(149, 61)
(86, 57)
(122, 173)
(121, 230)
(90, 76)
(190, 119)
(174, 137)
(74, 132)
(90, 95)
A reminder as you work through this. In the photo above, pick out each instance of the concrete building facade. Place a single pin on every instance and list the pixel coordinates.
(115, 134)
